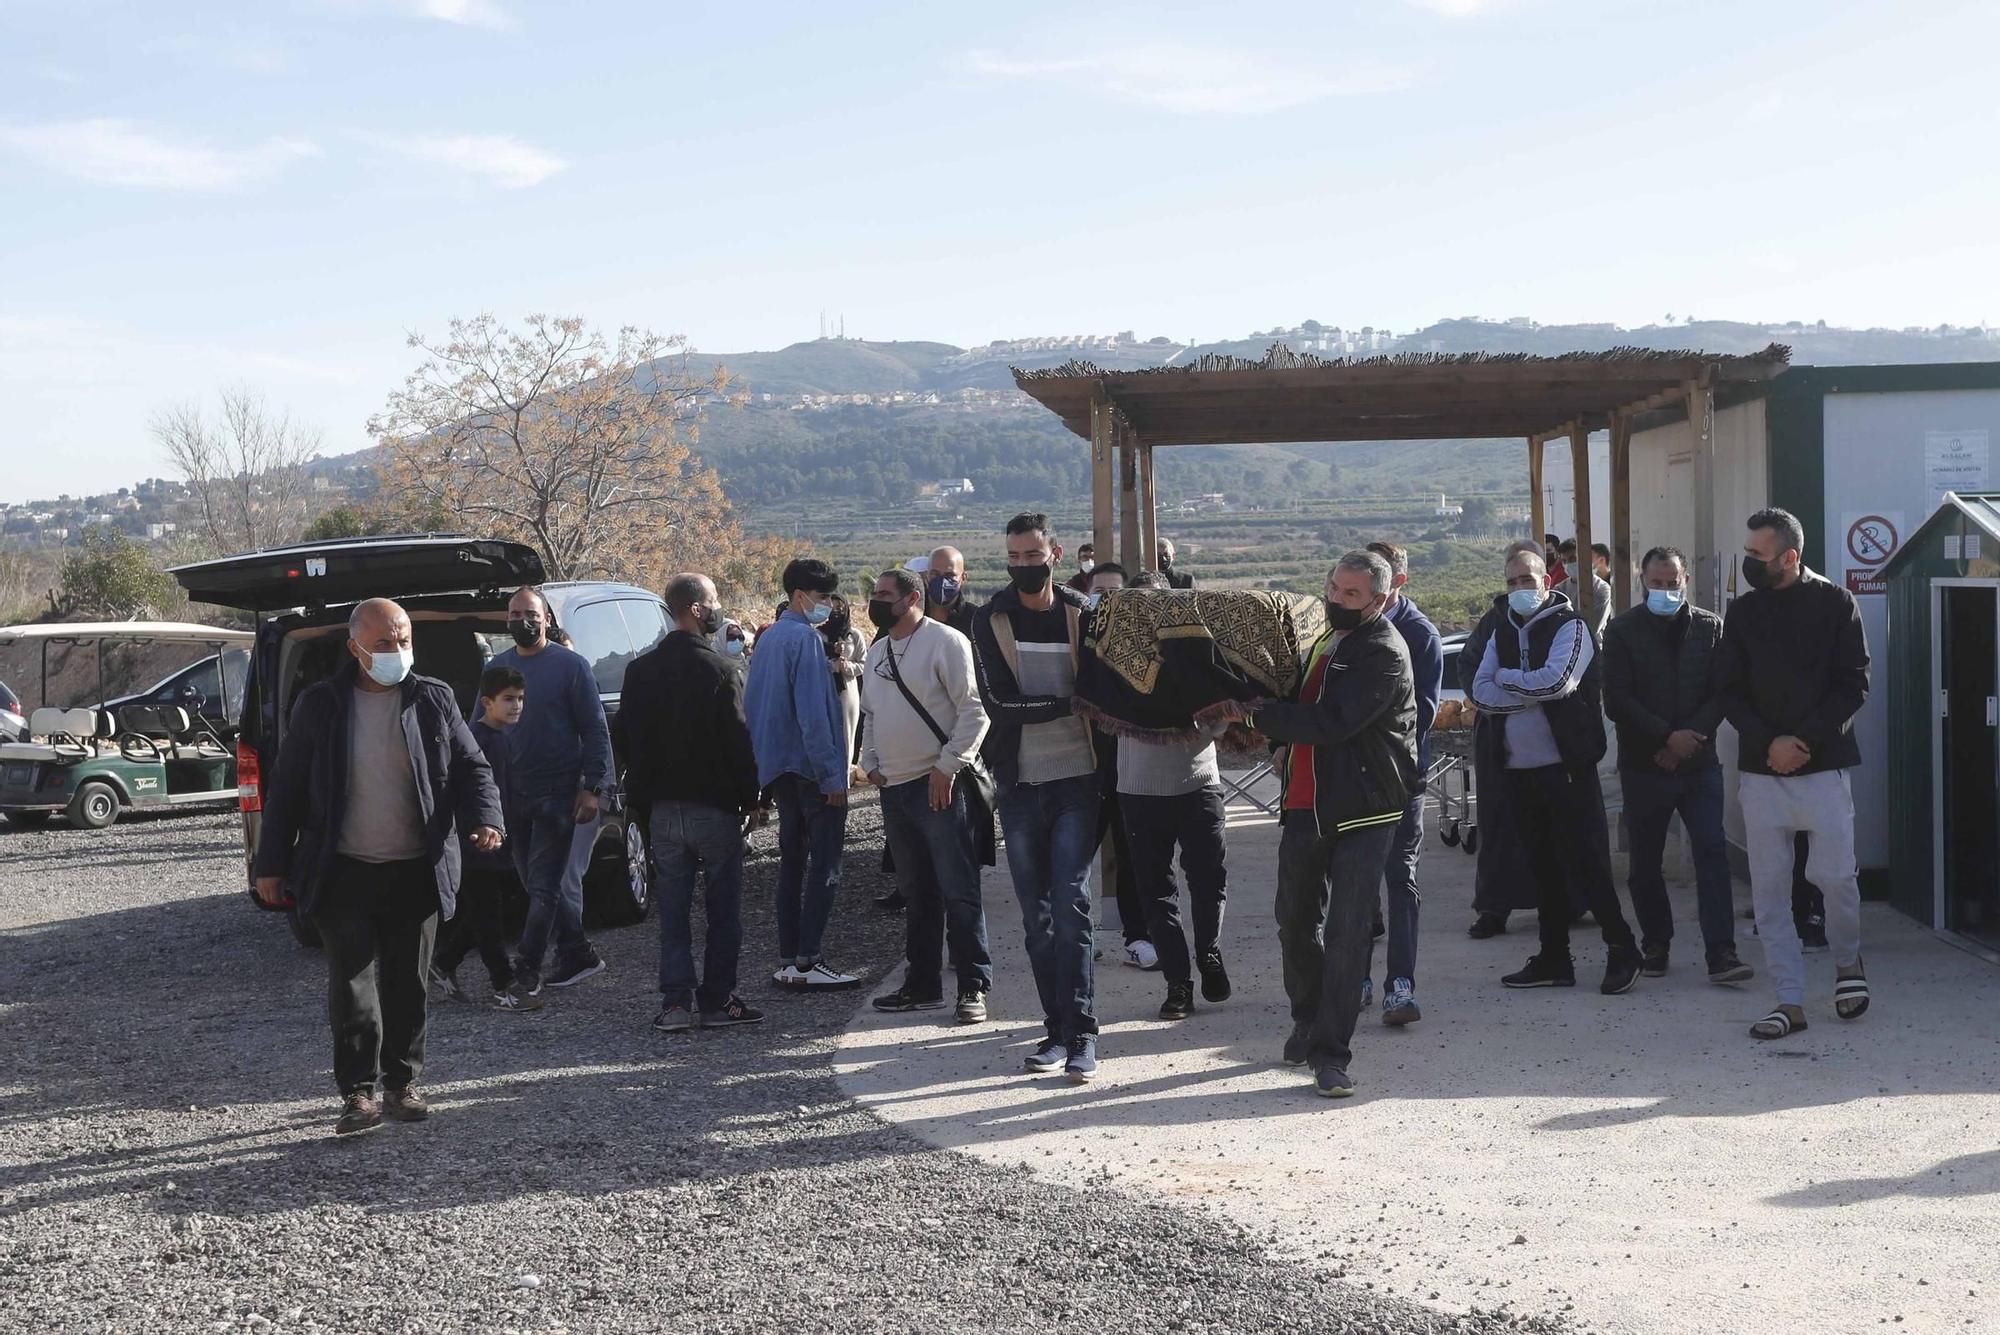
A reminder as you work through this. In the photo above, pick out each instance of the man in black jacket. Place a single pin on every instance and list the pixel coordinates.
(1350, 768)
(689, 765)
(1794, 667)
(1660, 691)
(376, 775)
(1500, 884)
(1538, 685)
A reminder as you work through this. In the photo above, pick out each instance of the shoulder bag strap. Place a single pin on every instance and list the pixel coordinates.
(889, 652)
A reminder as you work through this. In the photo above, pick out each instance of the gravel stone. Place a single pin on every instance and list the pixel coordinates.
(168, 1162)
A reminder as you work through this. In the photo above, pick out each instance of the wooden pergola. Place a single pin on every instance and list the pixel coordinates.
(1292, 397)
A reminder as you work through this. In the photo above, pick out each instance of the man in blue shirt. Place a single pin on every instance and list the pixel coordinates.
(800, 739)
(1399, 999)
(559, 761)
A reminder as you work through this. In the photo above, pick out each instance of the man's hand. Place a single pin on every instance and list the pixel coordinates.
(940, 790)
(486, 838)
(271, 891)
(1665, 759)
(586, 807)
(878, 778)
(838, 799)
(1685, 743)
(1788, 755)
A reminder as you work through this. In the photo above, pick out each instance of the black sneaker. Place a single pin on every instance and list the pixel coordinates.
(893, 902)
(971, 1005)
(1082, 1065)
(1487, 925)
(1179, 1003)
(674, 1019)
(1653, 961)
(1622, 970)
(1725, 967)
(1214, 978)
(1812, 932)
(1544, 971)
(527, 980)
(905, 999)
(587, 963)
(1049, 1055)
(1298, 1044)
(1333, 1082)
(731, 1012)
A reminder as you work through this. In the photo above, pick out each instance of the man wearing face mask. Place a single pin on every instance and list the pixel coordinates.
(1086, 562)
(1025, 643)
(559, 761)
(1537, 684)
(377, 774)
(1350, 768)
(800, 740)
(1176, 578)
(945, 596)
(1660, 691)
(1794, 674)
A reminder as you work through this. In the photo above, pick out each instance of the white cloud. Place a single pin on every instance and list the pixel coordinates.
(500, 158)
(1197, 80)
(119, 152)
(466, 13)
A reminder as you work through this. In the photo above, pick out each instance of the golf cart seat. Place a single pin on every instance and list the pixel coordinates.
(58, 734)
(163, 731)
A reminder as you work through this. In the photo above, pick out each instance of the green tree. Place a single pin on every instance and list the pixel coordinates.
(1479, 516)
(346, 521)
(112, 576)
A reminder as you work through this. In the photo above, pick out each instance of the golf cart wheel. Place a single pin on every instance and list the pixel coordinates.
(28, 820)
(94, 806)
(303, 930)
(1449, 834)
(1472, 838)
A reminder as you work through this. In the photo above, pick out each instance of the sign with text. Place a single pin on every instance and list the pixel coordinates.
(1869, 540)
(1955, 461)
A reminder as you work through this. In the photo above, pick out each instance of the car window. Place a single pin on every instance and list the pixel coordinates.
(645, 620)
(200, 681)
(598, 633)
(8, 700)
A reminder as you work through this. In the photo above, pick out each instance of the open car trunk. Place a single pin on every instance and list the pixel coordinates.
(335, 573)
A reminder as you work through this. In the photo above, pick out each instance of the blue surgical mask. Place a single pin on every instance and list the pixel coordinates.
(1525, 602)
(1093, 600)
(389, 667)
(1665, 602)
(944, 588)
(817, 613)
(734, 648)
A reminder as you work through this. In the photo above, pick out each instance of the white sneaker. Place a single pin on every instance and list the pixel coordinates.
(789, 976)
(821, 976)
(1141, 955)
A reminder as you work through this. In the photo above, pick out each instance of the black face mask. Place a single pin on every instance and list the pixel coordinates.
(1029, 579)
(1759, 573)
(882, 613)
(711, 620)
(525, 633)
(1342, 617)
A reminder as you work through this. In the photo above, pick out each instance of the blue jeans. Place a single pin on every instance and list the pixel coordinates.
(1051, 831)
(541, 853)
(1651, 799)
(689, 837)
(938, 873)
(810, 832)
(1399, 879)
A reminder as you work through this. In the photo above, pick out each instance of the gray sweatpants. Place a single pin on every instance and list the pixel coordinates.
(1774, 810)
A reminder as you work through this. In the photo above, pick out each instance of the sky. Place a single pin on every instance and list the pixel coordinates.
(275, 194)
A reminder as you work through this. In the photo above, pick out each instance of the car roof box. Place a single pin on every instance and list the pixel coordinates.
(351, 569)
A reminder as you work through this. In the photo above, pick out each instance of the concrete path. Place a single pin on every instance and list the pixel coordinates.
(1638, 1162)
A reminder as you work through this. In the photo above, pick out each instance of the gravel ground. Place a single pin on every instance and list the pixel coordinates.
(166, 1160)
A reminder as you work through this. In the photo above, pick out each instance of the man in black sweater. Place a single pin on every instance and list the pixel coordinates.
(1794, 673)
(689, 765)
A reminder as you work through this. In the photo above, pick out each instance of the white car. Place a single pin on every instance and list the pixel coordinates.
(13, 722)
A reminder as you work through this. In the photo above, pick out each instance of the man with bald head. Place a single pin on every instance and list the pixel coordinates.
(945, 598)
(376, 777)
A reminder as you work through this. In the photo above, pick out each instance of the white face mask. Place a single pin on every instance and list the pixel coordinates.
(389, 667)
(1086, 565)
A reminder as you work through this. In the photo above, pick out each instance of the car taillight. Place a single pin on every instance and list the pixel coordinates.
(249, 792)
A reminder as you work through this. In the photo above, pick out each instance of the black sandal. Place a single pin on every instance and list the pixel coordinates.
(1850, 997)
(1776, 1025)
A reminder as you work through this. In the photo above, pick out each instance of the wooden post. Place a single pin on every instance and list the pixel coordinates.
(1149, 510)
(1701, 422)
(1537, 521)
(1621, 512)
(1100, 473)
(1579, 465)
(1128, 497)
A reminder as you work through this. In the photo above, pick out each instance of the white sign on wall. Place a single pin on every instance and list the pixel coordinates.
(1955, 461)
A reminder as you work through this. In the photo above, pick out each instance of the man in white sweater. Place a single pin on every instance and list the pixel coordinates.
(921, 723)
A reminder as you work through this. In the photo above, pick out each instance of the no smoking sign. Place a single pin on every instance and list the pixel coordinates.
(1871, 540)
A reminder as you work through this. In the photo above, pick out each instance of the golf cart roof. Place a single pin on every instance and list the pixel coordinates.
(348, 570)
(135, 632)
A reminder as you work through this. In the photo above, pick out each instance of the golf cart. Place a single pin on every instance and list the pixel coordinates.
(89, 762)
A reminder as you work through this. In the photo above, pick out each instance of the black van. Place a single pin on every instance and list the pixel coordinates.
(455, 589)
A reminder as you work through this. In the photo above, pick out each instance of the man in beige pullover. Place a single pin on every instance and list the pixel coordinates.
(921, 723)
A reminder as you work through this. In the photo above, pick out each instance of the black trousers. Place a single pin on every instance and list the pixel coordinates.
(378, 922)
(1558, 813)
(1153, 825)
(1131, 904)
(477, 926)
(1326, 896)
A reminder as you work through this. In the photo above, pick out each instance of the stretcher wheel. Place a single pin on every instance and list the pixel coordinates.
(1449, 834)
(1472, 838)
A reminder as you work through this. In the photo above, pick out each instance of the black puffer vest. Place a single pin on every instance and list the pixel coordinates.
(1576, 720)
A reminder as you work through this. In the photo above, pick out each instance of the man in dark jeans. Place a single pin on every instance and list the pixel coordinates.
(1538, 684)
(559, 761)
(1025, 643)
(1660, 691)
(921, 725)
(1399, 874)
(800, 739)
(689, 767)
(1350, 767)
(376, 776)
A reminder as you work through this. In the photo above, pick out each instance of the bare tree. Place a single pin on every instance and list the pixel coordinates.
(559, 436)
(247, 471)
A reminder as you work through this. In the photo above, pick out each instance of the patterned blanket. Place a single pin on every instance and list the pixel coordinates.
(1152, 657)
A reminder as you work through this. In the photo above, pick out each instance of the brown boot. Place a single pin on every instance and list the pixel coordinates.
(359, 1113)
(406, 1105)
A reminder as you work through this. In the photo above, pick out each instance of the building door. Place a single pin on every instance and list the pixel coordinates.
(1969, 759)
